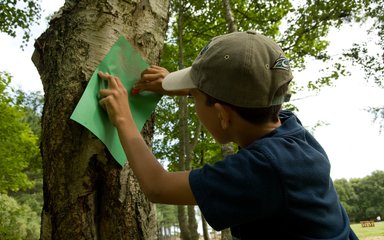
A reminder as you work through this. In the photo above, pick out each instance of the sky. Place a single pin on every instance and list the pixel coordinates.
(349, 136)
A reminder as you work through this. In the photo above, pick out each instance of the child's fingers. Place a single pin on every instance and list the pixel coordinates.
(113, 81)
(152, 69)
(105, 92)
(153, 73)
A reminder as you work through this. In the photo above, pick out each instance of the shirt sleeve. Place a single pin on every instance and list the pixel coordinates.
(241, 188)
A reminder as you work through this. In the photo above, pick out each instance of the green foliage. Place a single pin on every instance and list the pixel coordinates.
(362, 198)
(17, 221)
(207, 150)
(300, 29)
(31, 103)
(370, 192)
(20, 165)
(5, 79)
(308, 24)
(18, 144)
(265, 16)
(165, 143)
(347, 195)
(16, 14)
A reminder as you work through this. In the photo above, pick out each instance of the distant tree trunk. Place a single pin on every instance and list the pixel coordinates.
(87, 195)
(183, 222)
(181, 210)
(205, 228)
(232, 27)
(186, 214)
(228, 149)
(192, 223)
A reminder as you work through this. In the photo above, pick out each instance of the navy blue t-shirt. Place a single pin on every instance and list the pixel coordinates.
(279, 187)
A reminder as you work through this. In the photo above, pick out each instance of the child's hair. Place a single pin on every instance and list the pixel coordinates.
(256, 115)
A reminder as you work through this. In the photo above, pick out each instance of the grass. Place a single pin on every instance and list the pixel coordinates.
(377, 230)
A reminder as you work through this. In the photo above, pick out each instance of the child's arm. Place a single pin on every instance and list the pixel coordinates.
(157, 184)
(151, 79)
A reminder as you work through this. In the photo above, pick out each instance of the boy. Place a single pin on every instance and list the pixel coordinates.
(278, 185)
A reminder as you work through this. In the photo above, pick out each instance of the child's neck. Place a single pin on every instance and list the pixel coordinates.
(248, 133)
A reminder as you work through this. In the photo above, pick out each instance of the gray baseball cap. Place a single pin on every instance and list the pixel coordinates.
(243, 69)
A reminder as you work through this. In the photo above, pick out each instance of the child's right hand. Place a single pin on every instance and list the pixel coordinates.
(151, 80)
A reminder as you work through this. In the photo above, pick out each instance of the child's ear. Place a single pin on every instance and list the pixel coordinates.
(223, 113)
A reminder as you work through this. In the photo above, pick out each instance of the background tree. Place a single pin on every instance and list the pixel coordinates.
(17, 221)
(228, 149)
(362, 197)
(32, 104)
(20, 174)
(348, 197)
(369, 191)
(18, 145)
(20, 168)
(188, 136)
(87, 195)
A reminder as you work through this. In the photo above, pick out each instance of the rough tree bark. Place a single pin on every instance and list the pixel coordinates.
(87, 195)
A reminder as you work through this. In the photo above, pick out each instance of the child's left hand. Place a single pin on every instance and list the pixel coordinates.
(151, 80)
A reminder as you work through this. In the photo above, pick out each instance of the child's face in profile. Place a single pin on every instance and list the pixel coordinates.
(208, 116)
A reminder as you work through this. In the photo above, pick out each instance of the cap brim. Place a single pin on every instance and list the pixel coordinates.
(178, 80)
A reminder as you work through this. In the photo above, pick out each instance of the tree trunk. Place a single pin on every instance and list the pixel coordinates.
(192, 223)
(186, 214)
(183, 222)
(228, 14)
(181, 210)
(205, 228)
(228, 149)
(187, 220)
(87, 195)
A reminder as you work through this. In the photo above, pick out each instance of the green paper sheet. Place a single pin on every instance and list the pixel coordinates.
(123, 61)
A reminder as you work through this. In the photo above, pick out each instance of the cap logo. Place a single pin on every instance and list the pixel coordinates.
(281, 63)
(205, 48)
